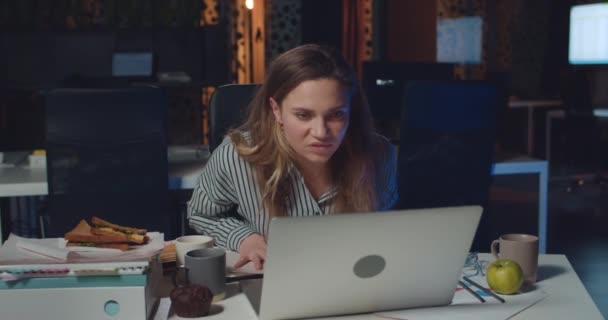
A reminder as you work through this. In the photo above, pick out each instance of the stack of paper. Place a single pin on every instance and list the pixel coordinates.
(19, 251)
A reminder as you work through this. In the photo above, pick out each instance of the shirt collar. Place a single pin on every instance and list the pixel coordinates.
(325, 196)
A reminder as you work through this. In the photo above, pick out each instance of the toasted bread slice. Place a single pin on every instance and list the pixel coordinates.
(105, 224)
(121, 246)
(82, 233)
(130, 238)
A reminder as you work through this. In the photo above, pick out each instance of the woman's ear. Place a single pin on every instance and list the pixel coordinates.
(276, 110)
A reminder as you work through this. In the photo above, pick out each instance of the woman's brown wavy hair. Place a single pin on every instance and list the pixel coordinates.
(261, 142)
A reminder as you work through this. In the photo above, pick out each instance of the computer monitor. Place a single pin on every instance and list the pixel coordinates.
(383, 83)
(139, 64)
(588, 41)
(22, 120)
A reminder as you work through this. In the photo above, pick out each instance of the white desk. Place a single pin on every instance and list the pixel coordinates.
(531, 104)
(22, 181)
(567, 297)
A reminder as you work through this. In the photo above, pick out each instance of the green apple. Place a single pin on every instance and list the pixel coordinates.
(505, 276)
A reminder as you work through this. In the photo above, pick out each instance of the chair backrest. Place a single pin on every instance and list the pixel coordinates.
(446, 143)
(383, 83)
(508, 136)
(107, 156)
(227, 109)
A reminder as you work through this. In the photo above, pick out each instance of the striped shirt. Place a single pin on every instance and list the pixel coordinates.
(226, 202)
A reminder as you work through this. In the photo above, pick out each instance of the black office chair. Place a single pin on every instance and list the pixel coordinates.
(508, 137)
(107, 156)
(228, 109)
(446, 143)
(383, 83)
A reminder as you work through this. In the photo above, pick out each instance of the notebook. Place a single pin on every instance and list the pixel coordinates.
(365, 262)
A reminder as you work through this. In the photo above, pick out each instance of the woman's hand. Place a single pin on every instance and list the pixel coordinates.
(253, 249)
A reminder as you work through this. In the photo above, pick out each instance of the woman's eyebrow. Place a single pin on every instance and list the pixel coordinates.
(304, 109)
(300, 109)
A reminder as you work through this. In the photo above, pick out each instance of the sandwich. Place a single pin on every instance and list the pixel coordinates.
(128, 234)
(104, 234)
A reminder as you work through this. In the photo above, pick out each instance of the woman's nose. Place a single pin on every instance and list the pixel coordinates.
(319, 128)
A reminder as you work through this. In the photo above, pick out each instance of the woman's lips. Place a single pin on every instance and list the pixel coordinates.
(321, 148)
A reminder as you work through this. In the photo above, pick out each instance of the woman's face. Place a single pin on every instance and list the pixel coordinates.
(314, 117)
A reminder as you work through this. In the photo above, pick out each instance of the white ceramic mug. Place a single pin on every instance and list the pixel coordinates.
(188, 243)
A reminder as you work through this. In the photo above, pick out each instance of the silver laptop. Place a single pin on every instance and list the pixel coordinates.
(365, 262)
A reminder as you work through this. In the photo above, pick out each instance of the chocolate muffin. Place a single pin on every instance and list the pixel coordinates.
(191, 301)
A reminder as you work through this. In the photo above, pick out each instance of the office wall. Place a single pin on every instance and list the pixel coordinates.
(521, 37)
(411, 30)
(283, 26)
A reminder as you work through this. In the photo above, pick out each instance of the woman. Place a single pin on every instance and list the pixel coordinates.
(306, 148)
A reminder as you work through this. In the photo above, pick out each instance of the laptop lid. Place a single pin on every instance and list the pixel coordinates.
(365, 262)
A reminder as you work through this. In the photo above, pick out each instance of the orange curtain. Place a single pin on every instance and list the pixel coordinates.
(357, 31)
(349, 30)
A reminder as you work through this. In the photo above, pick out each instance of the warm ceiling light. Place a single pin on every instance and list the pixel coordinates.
(249, 4)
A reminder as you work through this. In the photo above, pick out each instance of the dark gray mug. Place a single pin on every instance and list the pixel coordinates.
(207, 267)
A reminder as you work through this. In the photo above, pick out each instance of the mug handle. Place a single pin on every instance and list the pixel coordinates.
(176, 274)
(494, 249)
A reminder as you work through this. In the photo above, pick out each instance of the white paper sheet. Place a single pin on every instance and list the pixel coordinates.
(466, 306)
(19, 250)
